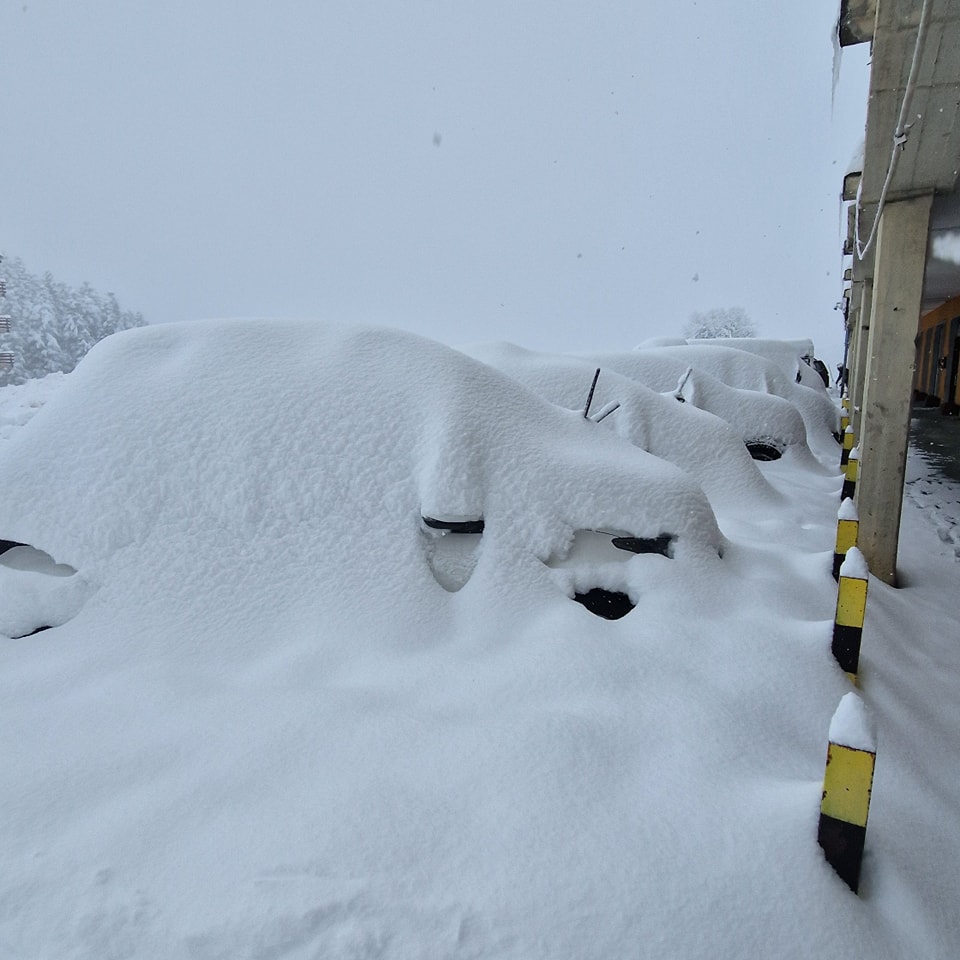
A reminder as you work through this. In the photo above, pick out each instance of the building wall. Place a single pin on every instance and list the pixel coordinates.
(935, 381)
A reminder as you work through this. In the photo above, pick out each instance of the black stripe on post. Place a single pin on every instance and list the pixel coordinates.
(846, 646)
(842, 843)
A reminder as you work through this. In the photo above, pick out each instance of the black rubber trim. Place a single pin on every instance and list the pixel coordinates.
(455, 526)
(659, 544)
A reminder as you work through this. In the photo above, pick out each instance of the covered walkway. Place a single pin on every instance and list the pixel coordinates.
(937, 439)
(904, 211)
(933, 473)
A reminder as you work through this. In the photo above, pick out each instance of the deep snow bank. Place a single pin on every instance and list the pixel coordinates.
(213, 443)
(290, 721)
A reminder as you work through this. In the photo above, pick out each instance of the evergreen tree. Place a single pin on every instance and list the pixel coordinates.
(52, 325)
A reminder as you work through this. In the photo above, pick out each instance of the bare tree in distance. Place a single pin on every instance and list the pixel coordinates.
(719, 322)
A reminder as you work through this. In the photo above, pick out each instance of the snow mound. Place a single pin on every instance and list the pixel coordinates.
(700, 443)
(747, 370)
(216, 442)
(660, 342)
(384, 655)
(36, 592)
(757, 416)
(22, 401)
(788, 355)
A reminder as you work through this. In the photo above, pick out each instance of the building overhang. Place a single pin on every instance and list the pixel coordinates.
(926, 155)
(856, 21)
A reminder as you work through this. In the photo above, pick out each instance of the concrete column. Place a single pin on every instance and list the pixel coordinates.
(853, 331)
(861, 357)
(887, 391)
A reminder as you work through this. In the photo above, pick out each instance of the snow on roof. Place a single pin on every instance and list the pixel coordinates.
(855, 164)
(786, 354)
(661, 342)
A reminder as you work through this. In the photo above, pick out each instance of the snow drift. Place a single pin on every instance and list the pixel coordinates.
(286, 716)
(703, 445)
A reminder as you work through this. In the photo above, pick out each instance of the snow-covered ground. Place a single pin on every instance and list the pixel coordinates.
(931, 481)
(279, 714)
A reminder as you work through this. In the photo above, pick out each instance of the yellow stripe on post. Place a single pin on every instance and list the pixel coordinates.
(851, 472)
(848, 444)
(848, 531)
(851, 611)
(847, 784)
(851, 602)
(847, 788)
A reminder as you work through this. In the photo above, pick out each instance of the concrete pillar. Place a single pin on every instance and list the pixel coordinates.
(853, 330)
(888, 388)
(861, 357)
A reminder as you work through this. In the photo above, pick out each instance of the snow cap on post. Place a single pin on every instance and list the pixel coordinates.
(855, 565)
(853, 725)
(848, 510)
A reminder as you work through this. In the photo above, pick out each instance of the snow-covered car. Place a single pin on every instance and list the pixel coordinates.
(702, 444)
(768, 425)
(372, 459)
(793, 357)
(773, 367)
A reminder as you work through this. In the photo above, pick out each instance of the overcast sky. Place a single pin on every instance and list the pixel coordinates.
(565, 174)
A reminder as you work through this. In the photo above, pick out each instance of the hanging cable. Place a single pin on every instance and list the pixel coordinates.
(900, 135)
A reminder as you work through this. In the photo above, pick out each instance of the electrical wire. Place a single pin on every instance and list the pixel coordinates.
(900, 135)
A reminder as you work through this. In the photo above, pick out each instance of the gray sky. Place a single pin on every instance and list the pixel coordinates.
(565, 174)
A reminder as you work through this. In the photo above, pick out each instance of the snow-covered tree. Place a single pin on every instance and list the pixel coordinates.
(719, 322)
(52, 325)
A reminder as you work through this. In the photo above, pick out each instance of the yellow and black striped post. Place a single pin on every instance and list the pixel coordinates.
(844, 422)
(851, 610)
(847, 785)
(851, 472)
(848, 529)
(848, 444)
